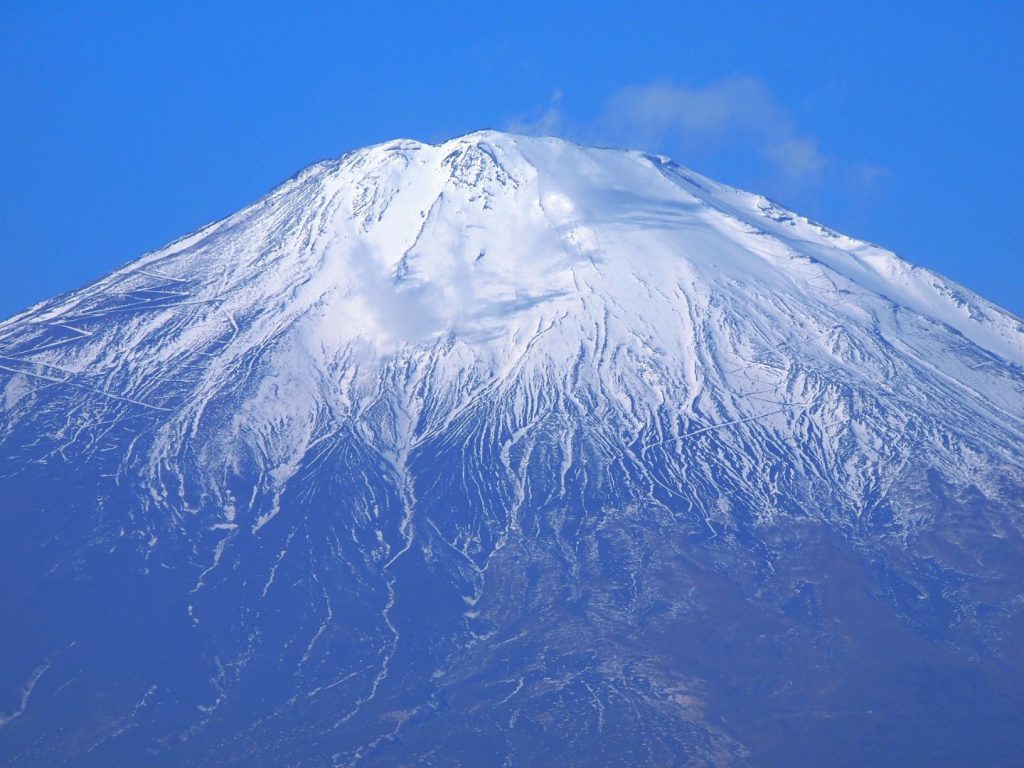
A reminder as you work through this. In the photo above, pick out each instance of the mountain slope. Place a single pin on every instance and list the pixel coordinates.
(509, 451)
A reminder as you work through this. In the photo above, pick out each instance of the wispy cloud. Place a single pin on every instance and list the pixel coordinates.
(736, 117)
(546, 122)
(737, 113)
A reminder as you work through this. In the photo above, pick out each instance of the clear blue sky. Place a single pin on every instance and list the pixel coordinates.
(126, 125)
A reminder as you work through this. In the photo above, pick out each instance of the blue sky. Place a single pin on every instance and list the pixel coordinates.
(125, 125)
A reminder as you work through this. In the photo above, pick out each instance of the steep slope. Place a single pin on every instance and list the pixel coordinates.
(509, 451)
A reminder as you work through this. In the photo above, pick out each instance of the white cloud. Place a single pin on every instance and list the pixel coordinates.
(798, 158)
(726, 115)
(549, 122)
(736, 118)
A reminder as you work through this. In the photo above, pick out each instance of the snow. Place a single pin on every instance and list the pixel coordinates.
(493, 259)
(384, 246)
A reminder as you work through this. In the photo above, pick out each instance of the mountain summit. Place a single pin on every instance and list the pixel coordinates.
(507, 451)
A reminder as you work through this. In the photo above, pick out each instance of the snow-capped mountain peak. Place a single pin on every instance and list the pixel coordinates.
(500, 376)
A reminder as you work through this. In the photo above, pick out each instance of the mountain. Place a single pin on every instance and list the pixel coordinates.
(510, 452)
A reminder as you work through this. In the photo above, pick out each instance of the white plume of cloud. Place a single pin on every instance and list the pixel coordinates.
(724, 115)
(549, 122)
(696, 124)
